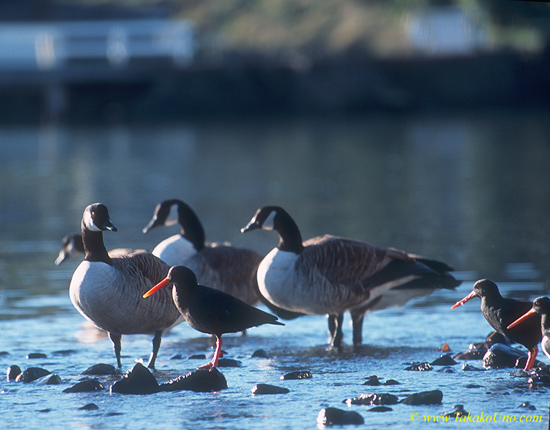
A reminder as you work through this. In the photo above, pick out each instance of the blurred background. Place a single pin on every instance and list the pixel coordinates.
(144, 60)
(421, 125)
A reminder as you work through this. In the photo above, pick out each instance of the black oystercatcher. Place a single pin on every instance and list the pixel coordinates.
(107, 289)
(541, 306)
(209, 310)
(331, 275)
(501, 312)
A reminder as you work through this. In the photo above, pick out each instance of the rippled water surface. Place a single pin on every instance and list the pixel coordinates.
(472, 190)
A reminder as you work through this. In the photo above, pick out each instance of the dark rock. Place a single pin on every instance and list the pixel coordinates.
(228, 362)
(177, 357)
(299, 374)
(391, 382)
(197, 357)
(32, 374)
(501, 356)
(89, 407)
(34, 355)
(200, 380)
(458, 411)
(268, 389)
(13, 372)
(421, 367)
(65, 352)
(539, 380)
(4, 353)
(433, 397)
(45, 410)
(473, 386)
(496, 337)
(260, 353)
(100, 369)
(522, 361)
(444, 360)
(380, 409)
(446, 370)
(373, 399)
(334, 416)
(470, 355)
(528, 405)
(373, 380)
(138, 380)
(51, 379)
(84, 386)
(469, 368)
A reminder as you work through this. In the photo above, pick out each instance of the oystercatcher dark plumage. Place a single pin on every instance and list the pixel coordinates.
(209, 310)
(501, 312)
(541, 306)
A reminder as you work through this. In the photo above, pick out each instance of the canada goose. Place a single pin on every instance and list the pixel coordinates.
(107, 290)
(541, 306)
(501, 312)
(221, 266)
(71, 245)
(331, 275)
(210, 310)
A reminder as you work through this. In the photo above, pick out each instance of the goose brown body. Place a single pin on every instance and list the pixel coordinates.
(221, 266)
(331, 275)
(108, 290)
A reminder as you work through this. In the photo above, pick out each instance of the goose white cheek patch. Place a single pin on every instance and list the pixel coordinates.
(173, 216)
(269, 223)
(89, 222)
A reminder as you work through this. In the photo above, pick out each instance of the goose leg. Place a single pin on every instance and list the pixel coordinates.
(115, 338)
(357, 324)
(156, 347)
(335, 330)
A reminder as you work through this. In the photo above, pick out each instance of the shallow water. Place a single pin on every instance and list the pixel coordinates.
(459, 188)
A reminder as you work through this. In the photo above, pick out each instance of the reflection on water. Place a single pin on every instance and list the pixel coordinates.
(472, 190)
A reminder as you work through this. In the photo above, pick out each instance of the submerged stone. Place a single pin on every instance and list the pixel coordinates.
(51, 379)
(138, 380)
(373, 381)
(228, 362)
(469, 368)
(34, 355)
(32, 374)
(200, 380)
(373, 399)
(13, 372)
(298, 374)
(380, 409)
(420, 367)
(501, 356)
(444, 360)
(100, 369)
(457, 412)
(260, 353)
(84, 386)
(89, 407)
(268, 389)
(433, 397)
(334, 416)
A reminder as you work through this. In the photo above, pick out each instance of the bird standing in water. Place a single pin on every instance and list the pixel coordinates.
(107, 290)
(541, 306)
(501, 312)
(209, 310)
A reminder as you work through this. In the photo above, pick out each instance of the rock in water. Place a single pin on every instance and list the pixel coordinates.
(138, 380)
(501, 356)
(100, 369)
(334, 416)
(199, 380)
(298, 374)
(268, 389)
(443, 360)
(51, 379)
(83, 386)
(13, 372)
(433, 397)
(373, 399)
(32, 374)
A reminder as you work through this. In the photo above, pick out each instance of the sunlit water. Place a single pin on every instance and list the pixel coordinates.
(473, 191)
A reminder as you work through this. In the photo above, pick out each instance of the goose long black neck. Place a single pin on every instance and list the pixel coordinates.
(94, 248)
(191, 227)
(290, 238)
